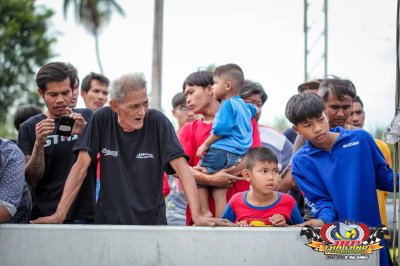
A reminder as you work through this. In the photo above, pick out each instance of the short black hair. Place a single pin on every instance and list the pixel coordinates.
(55, 71)
(93, 76)
(250, 88)
(74, 74)
(202, 78)
(234, 72)
(358, 100)
(259, 154)
(23, 113)
(178, 100)
(337, 86)
(304, 106)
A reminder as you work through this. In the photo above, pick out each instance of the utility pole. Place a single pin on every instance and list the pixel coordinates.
(315, 39)
(396, 258)
(157, 55)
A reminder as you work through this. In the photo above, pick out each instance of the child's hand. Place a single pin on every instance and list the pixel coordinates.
(312, 222)
(278, 220)
(242, 224)
(200, 169)
(200, 151)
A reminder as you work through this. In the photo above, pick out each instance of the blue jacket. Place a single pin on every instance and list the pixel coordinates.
(341, 184)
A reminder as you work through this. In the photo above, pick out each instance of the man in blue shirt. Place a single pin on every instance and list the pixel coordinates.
(15, 199)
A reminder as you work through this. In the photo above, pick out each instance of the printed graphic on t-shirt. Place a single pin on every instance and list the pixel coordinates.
(257, 222)
(55, 139)
(351, 144)
(108, 152)
(145, 156)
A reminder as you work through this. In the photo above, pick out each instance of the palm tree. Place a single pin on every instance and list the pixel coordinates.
(93, 15)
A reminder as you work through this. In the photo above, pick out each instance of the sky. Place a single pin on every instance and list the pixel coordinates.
(264, 37)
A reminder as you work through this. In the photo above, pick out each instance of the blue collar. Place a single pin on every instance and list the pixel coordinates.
(343, 134)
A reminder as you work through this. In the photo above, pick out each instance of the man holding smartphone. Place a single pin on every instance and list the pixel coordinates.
(48, 155)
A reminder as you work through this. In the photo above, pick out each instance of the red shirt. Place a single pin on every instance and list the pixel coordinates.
(191, 136)
(239, 209)
(166, 188)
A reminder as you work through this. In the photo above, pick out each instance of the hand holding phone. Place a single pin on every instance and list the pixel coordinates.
(65, 126)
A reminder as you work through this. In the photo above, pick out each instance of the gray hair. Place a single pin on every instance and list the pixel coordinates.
(127, 83)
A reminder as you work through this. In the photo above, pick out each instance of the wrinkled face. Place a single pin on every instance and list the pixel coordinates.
(256, 100)
(315, 130)
(183, 114)
(198, 98)
(57, 97)
(338, 111)
(219, 89)
(97, 95)
(357, 115)
(263, 177)
(132, 110)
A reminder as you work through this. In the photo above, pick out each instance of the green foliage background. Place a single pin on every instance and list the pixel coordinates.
(25, 46)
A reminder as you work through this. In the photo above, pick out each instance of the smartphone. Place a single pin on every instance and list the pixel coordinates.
(65, 126)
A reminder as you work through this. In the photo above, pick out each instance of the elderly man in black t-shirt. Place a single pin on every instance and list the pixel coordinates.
(48, 155)
(137, 145)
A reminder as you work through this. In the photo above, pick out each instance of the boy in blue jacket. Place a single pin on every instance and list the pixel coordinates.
(337, 170)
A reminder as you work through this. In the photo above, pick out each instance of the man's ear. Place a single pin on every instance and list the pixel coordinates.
(40, 92)
(209, 88)
(295, 128)
(246, 175)
(113, 105)
(173, 112)
(326, 115)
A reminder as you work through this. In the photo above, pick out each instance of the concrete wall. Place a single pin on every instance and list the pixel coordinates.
(162, 245)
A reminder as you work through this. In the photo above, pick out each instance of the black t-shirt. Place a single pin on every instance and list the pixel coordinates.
(131, 166)
(59, 159)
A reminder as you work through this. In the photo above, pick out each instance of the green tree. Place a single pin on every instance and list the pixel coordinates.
(94, 15)
(25, 45)
(211, 67)
(281, 123)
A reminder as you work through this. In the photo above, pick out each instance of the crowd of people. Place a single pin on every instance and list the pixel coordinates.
(124, 163)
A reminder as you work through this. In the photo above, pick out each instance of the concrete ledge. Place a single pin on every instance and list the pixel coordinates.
(158, 245)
